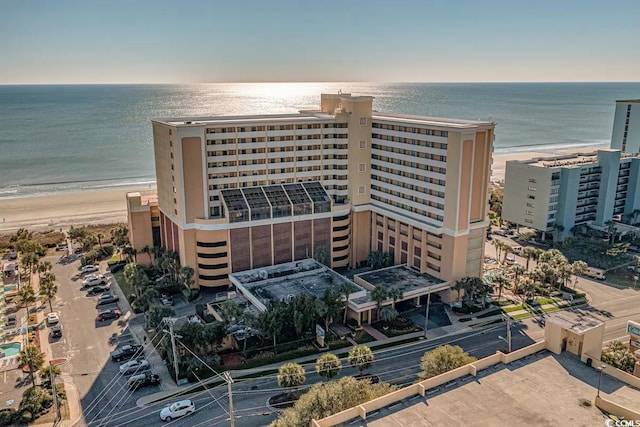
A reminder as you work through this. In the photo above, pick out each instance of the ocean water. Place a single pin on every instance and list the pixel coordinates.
(63, 138)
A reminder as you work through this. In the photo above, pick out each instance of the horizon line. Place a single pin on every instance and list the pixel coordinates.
(322, 82)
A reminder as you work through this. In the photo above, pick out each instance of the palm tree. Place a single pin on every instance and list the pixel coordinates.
(30, 356)
(395, 294)
(230, 310)
(458, 286)
(518, 271)
(557, 229)
(100, 236)
(291, 375)
(507, 251)
(146, 250)
(48, 288)
(361, 357)
(29, 263)
(345, 289)
(579, 268)
(328, 365)
(611, 232)
(498, 244)
(379, 294)
(529, 253)
(43, 267)
(501, 280)
(388, 314)
(25, 296)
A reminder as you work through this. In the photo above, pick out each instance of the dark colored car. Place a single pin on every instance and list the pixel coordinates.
(144, 379)
(166, 299)
(98, 290)
(126, 352)
(107, 299)
(108, 314)
(55, 332)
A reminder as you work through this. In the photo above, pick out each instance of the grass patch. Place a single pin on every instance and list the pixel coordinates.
(126, 289)
(543, 301)
(546, 310)
(48, 239)
(502, 303)
(513, 308)
(362, 337)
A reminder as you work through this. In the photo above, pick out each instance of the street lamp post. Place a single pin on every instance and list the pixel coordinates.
(601, 369)
(635, 281)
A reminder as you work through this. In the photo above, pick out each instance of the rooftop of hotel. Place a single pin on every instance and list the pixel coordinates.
(576, 322)
(401, 277)
(637, 100)
(571, 160)
(283, 281)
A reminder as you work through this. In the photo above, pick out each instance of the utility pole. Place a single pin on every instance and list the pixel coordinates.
(54, 393)
(229, 380)
(171, 322)
(426, 314)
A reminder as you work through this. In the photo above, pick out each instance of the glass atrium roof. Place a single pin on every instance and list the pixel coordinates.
(275, 201)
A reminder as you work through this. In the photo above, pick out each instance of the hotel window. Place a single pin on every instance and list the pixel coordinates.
(532, 180)
(363, 121)
(362, 167)
(532, 188)
(530, 205)
(363, 144)
(529, 196)
(528, 221)
(362, 189)
(528, 213)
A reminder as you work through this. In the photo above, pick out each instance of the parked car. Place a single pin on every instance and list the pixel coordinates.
(94, 280)
(108, 314)
(134, 365)
(166, 299)
(89, 268)
(510, 260)
(105, 299)
(144, 379)
(125, 352)
(55, 332)
(52, 318)
(13, 256)
(98, 290)
(177, 410)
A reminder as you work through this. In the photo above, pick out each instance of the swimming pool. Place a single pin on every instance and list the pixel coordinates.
(9, 288)
(10, 349)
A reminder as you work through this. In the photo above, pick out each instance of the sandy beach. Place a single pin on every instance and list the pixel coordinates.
(64, 210)
(109, 206)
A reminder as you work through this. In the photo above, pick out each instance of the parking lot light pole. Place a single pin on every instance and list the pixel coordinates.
(600, 368)
(508, 321)
(171, 321)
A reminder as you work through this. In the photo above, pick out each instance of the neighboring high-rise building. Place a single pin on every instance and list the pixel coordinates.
(556, 194)
(626, 126)
(241, 192)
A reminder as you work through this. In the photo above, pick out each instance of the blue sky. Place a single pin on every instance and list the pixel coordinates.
(156, 41)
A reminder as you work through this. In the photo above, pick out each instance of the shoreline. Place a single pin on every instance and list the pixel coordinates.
(103, 206)
(65, 209)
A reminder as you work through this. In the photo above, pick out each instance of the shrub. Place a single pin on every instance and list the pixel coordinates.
(117, 266)
(107, 250)
(200, 309)
(26, 416)
(8, 416)
(190, 294)
(208, 318)
(443, 359)
(36, 400)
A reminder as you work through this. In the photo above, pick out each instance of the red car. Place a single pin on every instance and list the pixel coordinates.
(108, 314)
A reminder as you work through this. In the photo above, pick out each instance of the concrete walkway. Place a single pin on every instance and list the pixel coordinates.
(379, 336)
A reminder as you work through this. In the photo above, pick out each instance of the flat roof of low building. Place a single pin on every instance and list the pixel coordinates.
(576, 322)
(400, 277)
(539, 390)
(283, 281)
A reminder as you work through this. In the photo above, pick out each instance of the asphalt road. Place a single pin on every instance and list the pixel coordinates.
(399, 365)
(87, 344)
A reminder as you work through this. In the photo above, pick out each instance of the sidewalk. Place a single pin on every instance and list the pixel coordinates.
(432, 334)
(136, 328)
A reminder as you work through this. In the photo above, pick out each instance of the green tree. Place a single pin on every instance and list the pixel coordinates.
(379, 259)
(458, 286)
(345, 289)
(25, 296)
(43, 267)
(144, 301)
(120, 236)
(443, 359)
(331, 299)
(325, 399)
(328, 365)
(395, 294)
(230, 310)
(291, 376)
(530, 253)
(185, 277)
(501, 281)
(518, 271)
(135, 277)
(157, 313)
(611, 231)
(361, 357)
(388, 314)
(48, 288)
(379, 295)
(32, 357)
(579, 268)
(322, 255)
(29, 263)
(45, 372)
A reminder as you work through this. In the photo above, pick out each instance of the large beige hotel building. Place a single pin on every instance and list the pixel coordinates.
(237, 193)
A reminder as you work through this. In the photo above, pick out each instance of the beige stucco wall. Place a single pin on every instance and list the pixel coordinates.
(193, 179)
(162, 152)
(139, 222)
(359, 108)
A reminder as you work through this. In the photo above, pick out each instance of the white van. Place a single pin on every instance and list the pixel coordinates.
(596, 273)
